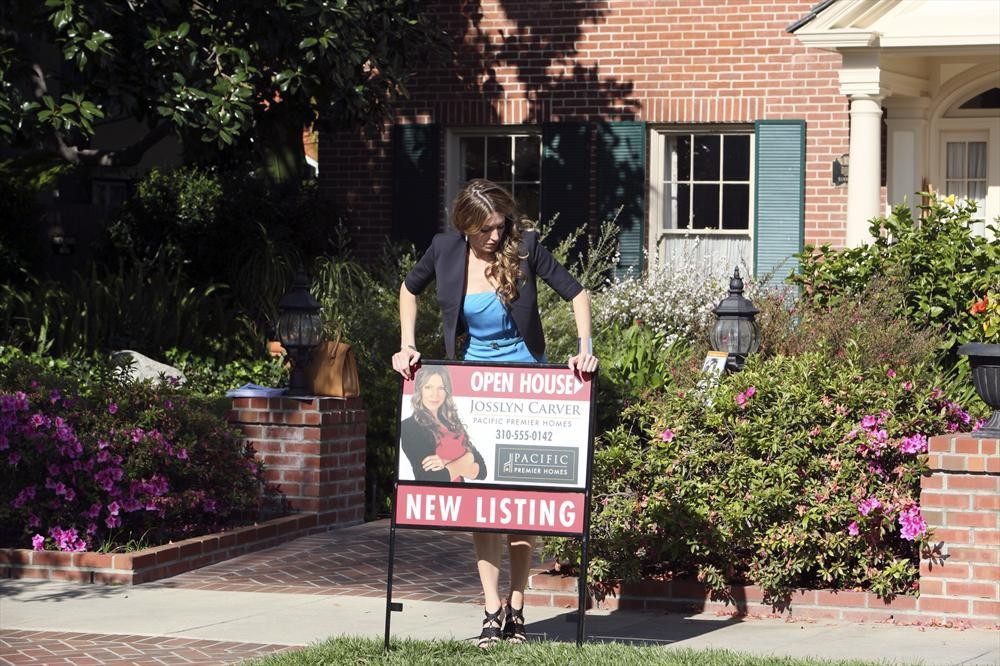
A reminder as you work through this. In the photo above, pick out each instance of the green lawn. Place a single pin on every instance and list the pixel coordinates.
(363, 651)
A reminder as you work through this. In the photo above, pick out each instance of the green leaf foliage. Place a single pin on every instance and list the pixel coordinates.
(940, 265)
(194, 67)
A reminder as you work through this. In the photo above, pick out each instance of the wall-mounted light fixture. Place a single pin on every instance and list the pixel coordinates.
(840, 167)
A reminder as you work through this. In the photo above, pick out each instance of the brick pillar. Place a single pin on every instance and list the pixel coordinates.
(313, 449)
(960, 501)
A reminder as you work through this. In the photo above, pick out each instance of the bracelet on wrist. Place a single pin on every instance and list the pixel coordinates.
(409, 347)
(585, 344)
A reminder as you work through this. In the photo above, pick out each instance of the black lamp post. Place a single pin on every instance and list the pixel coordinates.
(736, 332)
(299, 329)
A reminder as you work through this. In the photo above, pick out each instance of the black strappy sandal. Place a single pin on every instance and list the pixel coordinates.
(513, 628)
(492, 632)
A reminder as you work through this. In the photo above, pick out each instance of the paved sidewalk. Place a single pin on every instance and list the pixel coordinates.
(334, 584)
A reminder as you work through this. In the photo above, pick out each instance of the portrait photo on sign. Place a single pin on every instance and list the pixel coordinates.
(495, 424)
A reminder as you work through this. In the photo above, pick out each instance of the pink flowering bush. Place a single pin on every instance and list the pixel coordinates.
(797, 472)
(122, 464)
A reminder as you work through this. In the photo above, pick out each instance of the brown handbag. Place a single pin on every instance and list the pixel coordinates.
(333, 370)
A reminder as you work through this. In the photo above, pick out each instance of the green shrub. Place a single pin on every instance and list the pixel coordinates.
(225, 227)
(938, 264)
(772, 478)
(149, 307)
(211, 378)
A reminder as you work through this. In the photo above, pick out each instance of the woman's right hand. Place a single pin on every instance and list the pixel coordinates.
(432, 463)
(405, 360)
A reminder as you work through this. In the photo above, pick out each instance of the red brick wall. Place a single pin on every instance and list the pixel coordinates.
(660, 61)
(313, 450)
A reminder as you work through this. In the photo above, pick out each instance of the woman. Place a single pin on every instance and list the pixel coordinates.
(433, 438)
(485, 276)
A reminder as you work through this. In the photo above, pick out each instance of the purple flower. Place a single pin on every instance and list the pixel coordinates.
(741, 400)
(868, 422)
(112, 521)
(113, 408)
(667, 435)
(38, 542)
(911, 523)
(114, 508)
(168, 404)
(852, 528)
(915, 443)
(751, 391)
(869, 505)
(890, 373)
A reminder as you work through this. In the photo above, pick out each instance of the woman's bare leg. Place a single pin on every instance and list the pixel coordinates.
(489, 549)
(520, 548)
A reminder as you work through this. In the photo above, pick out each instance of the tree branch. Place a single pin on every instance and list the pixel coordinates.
(120, 157)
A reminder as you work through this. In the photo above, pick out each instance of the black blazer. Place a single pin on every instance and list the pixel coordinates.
(445, 262)
(418, 442)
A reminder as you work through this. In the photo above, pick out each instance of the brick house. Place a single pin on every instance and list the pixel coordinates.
(715, 125)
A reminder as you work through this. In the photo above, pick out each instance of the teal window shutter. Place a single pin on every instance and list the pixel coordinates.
(621, 181)
(779, 209)
(416, 183)
(565, 188)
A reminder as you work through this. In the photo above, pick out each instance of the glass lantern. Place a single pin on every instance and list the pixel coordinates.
(736, 331)
(300, 329)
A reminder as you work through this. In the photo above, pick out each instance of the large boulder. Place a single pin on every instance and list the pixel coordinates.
(138, 367)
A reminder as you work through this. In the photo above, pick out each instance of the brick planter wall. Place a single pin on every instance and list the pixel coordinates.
(960, 501)
(143, 566)
(313, 449)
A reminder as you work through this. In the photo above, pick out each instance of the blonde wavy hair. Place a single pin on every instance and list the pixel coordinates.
(477, 201)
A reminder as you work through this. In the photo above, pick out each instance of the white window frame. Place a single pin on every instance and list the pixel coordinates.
(454, 178)
(970, 129)
(657, 148)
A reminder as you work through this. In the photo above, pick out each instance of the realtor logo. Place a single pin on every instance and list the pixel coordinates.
(547, 464)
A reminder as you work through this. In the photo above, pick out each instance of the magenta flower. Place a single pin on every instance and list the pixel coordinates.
(868, 422)
(915, 443)
(911, 523)
(667, 435)
(891, 374)
(741, 399)
(113, 408)
(852, 528)
(869, 505)
(38, 542)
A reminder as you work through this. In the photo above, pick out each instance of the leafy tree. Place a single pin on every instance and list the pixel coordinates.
(221, 71)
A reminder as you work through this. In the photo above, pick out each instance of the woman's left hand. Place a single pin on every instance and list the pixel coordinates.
(432, 463)
(583, 362)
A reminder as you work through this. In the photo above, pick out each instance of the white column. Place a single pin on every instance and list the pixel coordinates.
(907, 166)
(864, 176)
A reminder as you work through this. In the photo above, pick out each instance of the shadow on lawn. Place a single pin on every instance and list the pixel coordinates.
(629, 627)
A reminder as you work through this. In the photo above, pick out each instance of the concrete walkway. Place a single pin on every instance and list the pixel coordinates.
(274, 600)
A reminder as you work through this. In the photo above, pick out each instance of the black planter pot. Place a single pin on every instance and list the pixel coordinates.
(984, 359)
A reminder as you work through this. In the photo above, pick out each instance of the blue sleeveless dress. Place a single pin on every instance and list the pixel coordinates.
(492, 333)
